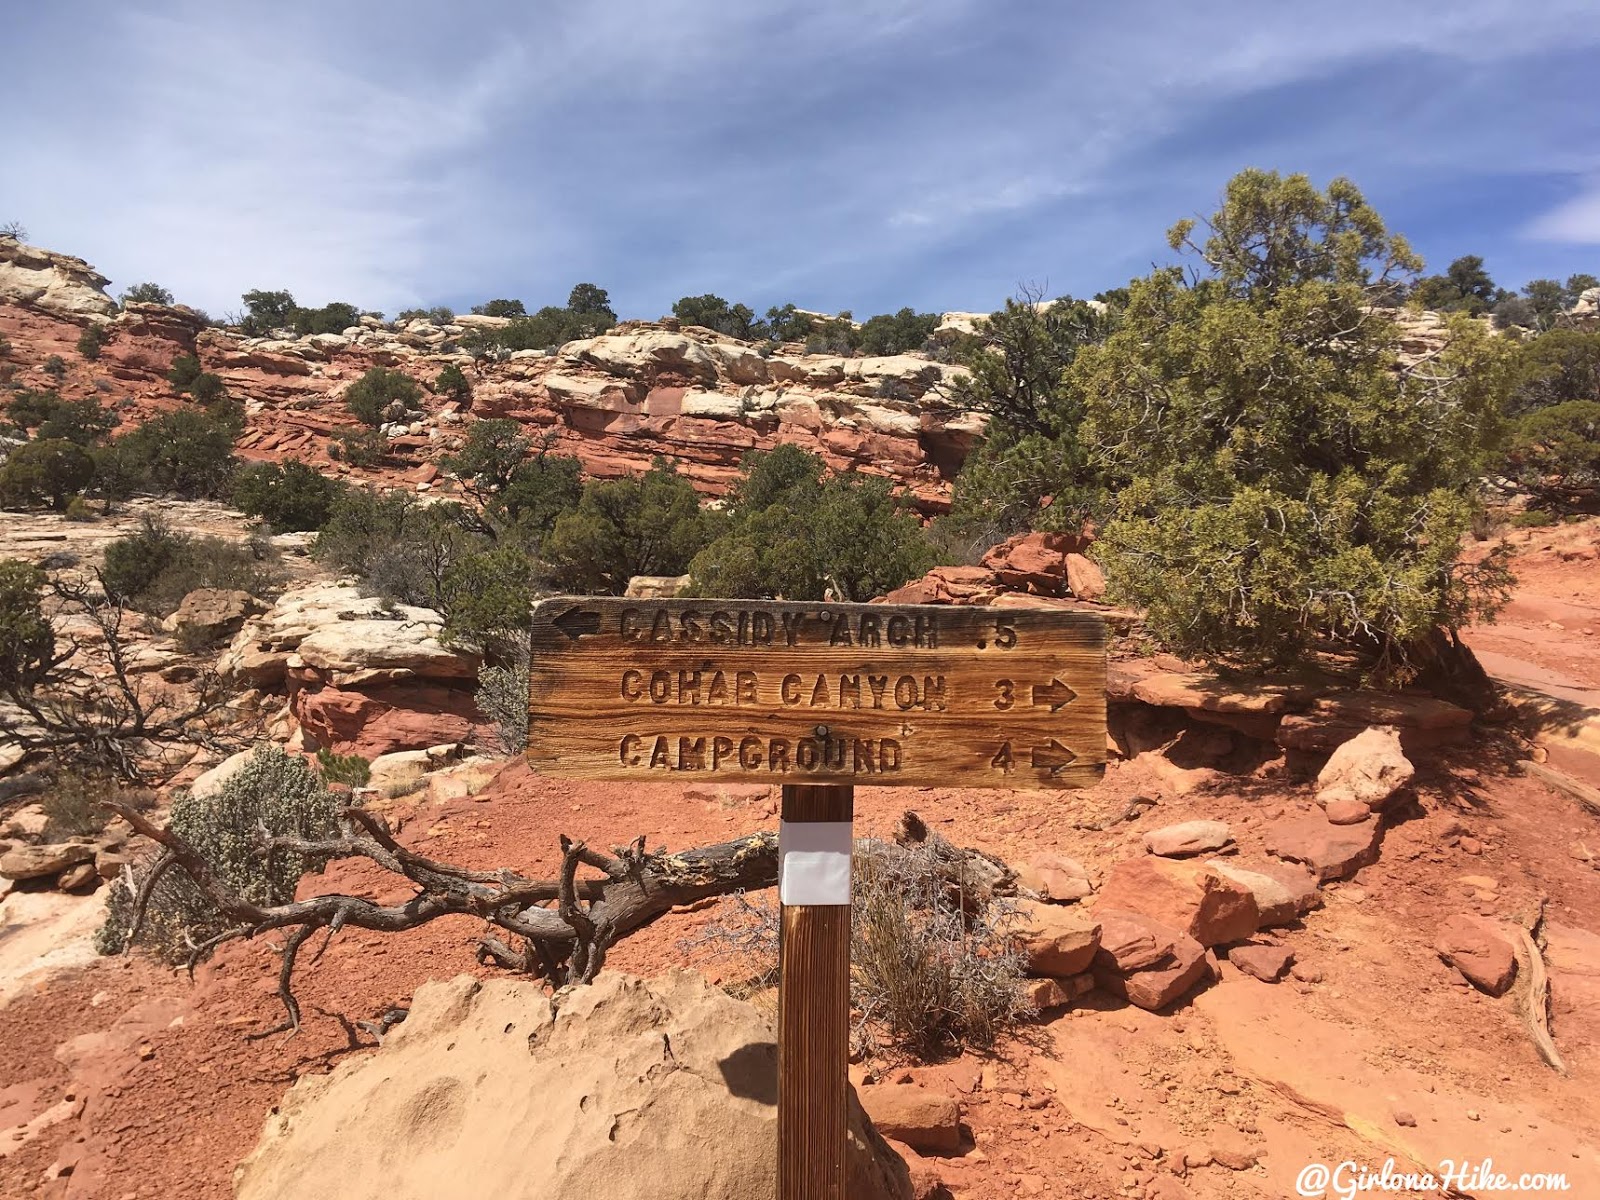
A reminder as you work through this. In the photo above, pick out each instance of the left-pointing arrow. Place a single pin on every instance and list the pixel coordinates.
(1052, 755)
(575, 623)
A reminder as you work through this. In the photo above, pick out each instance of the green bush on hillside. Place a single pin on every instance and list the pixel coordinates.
(288, 496)
(50, 471)
(383, 395)
(1278, 478)
(1555, 455)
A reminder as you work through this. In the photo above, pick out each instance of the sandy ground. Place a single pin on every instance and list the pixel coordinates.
(145, 1084)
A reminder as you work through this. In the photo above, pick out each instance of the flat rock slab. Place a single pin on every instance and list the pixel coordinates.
(1058, 940)
(926, 1120)
(1055, 877)
(1284, 891)
(35, 862)
(1186, 896)
(1331, 721)
(1329, 851)
(1188, 838)
(1146, 963)
(1266, 963)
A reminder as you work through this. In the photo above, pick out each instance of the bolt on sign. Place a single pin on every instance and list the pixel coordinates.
(817, 693)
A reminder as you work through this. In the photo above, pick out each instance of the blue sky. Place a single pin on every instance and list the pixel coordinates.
(860, 154)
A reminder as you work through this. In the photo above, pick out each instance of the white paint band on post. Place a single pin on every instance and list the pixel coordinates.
(814, 862)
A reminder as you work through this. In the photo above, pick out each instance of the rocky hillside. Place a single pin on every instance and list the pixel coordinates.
(614, 401)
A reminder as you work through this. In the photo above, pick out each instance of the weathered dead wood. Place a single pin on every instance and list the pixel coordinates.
(1588, 797)
(1536, 999)
(566, 924)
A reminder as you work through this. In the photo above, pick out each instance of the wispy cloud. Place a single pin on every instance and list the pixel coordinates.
(838, 153)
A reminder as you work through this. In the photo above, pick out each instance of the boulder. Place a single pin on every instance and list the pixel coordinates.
(1329, 851)
(928, 1121)
(623, 1089)
(347, 649)
(37, 862)
(210, 782)
(1085, 579)
(405, 769)
(26, 823)
(213, 613)
(1057, 940)
(1033, 562)
(1146, 963)
(80, 875)
(1368, 769)
(1055, 877)
(656, 587)
(1284, 892)
(55, 283)
(949, 585)
(1190, 897)
(1188, 838)
(1476, 947)
(1045, 994)
(1266, 963)
(376, 721)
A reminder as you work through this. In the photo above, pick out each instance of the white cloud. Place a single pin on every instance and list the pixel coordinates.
(1575, 220)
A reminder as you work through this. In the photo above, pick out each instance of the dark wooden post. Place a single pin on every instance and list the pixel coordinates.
(814, 992)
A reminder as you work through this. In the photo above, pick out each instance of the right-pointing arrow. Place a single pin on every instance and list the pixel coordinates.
(1052, 755)
(1055, 694)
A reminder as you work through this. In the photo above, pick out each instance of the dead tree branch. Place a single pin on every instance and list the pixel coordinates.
(565, 925)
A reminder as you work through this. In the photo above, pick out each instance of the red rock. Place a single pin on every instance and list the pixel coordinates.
(1266, 963)
(1347, 812)
(1329, 851)
(1055, 878)
(1146, 963)
(385, 719)
(927, 1121)
(1284, 892)
(1033, 562)
(1188, 838)
(1476, 948)
(1186, 896)
(926, 1182)
(1058, 940)
(1085, 579)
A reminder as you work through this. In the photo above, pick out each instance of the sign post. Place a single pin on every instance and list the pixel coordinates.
(816, 697)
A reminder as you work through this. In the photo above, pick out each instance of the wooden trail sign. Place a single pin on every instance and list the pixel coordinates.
(816, 697)
(817, 693)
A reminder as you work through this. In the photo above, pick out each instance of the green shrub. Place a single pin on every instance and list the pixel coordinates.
(271, 792)
(90, 341)
(78, 510)
(1555, 455)
(453, 383)
(502, 696)
(147, 293)
(365, 448)
(649, 525)
(73, 804)
(349, 769)
(500, 308)
(713, 312)
(184, 371)
(49, 471)
(82, 422)
(55, 366)
(288, 496)
(1278, 480)
(383, 395)
(1533, 518)
(207, 388)
(1555, 368)
(155, 567)
(267, 312)
(794, 531)
(331, 318)
(904, 332)
(186, 452)
(539, 491)
(493, 451)
(27, 640)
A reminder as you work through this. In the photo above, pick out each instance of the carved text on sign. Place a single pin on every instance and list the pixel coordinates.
(786, 692)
